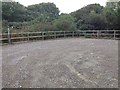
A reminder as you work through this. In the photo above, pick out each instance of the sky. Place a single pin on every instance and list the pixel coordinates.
(65, 6)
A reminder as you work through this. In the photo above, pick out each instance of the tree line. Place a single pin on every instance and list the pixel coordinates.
(47, 17)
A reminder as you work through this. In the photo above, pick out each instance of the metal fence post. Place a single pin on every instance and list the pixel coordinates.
(9, 38)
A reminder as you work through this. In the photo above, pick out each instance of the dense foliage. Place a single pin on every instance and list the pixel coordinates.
(45, 17)
(43, 11)
(14, 12)
(90, 17)
(65, 22)
(95, 17)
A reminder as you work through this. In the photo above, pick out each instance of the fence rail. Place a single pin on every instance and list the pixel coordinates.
(27, 36)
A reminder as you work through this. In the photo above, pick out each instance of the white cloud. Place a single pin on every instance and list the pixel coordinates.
(65, 6)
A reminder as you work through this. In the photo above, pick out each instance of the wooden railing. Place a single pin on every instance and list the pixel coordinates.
(27, 36)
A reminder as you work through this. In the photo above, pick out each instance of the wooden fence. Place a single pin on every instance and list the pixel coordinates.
(10, 38)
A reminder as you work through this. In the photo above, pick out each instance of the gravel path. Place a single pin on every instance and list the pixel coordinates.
(62, 63)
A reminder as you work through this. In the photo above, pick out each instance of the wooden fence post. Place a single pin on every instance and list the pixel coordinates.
(85, 33)
(42, 35)
(64, 34)
(73, 33)
(55, 35)
(9, 38)
(28, 36)
(114, 34)
(98, 33)
(79, 33)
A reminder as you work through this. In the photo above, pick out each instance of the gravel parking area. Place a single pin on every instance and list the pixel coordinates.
(62, 63)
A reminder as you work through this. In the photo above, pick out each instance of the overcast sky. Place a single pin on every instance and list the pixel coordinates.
(65, 6)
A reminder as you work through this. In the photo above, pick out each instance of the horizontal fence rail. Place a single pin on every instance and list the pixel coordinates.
(10, 38)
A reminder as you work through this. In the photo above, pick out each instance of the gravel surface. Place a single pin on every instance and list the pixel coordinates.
(62, 63)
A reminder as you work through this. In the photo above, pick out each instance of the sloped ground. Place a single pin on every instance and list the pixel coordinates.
(64, 63)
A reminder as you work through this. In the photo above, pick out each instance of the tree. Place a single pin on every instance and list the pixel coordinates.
(43, 11)
(111, 18)
(90, 17)
(13, 12)
(65, 22)
(118, 15)
(38, 17)
(113, 4)
(111, 13)
(97, 21)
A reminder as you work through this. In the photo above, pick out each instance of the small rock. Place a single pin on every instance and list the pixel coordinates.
(91, 53)
(61, 86)
(98, 57)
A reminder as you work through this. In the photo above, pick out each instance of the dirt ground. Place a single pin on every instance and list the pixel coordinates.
(62, 63)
